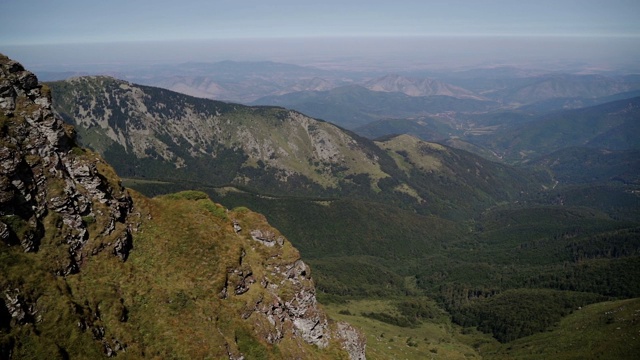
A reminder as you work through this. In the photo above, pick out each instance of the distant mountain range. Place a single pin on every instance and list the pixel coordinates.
(518, 135)
(563, 86)
(295, 86)
(418, 87)
(352, 106)
(612, 126)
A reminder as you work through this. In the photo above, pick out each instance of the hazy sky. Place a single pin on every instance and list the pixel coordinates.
(29, 25)
(71, 21)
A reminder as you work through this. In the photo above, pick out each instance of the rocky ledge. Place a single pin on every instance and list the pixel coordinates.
(285, 304)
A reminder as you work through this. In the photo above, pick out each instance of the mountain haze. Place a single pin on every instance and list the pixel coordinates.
(354, 105)
(418, 87)
(236, 81)
(612, 126)
(563, 86)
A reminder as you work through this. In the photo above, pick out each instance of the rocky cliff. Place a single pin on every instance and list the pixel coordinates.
(49, 187)
(88, 268)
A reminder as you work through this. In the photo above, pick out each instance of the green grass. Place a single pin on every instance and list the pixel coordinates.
(436, 338)
(607, 330)
(165, 300)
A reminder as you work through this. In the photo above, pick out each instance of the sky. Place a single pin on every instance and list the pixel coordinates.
(44, 25)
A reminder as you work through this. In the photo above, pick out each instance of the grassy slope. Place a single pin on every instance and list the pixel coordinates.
(164, 301)
(580, 336)
(606, 330)
(435, 339)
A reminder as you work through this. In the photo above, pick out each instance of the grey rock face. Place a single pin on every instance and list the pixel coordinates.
(352, 340)
(266, 238)
(45, 177)
(18, 308)
(298, 311)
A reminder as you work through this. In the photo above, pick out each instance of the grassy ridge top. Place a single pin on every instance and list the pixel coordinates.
(176, 296)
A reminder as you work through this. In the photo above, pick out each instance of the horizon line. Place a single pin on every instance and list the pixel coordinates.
(330, 37)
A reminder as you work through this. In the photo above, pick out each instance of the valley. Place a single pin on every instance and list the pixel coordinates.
(497, 220)
(322, 180)
(448, 223)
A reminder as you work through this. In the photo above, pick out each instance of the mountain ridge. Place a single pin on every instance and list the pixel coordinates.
(610, 125)
(174, 137)
(351, 106)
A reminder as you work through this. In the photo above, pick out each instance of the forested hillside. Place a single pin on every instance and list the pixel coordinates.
(506, 250)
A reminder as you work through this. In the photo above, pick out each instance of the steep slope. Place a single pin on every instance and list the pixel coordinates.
(102, 272)
(52, 190)
(418, 87)
(153, 132)
(437, 169)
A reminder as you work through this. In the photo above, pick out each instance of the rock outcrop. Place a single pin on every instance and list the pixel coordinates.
(58, 201)
(286, 305)
(45, 179)
(353, 341)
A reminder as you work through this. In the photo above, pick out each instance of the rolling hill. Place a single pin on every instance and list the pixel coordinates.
(563, 86)
(612, 126)
(418, 87)
(352, 106)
